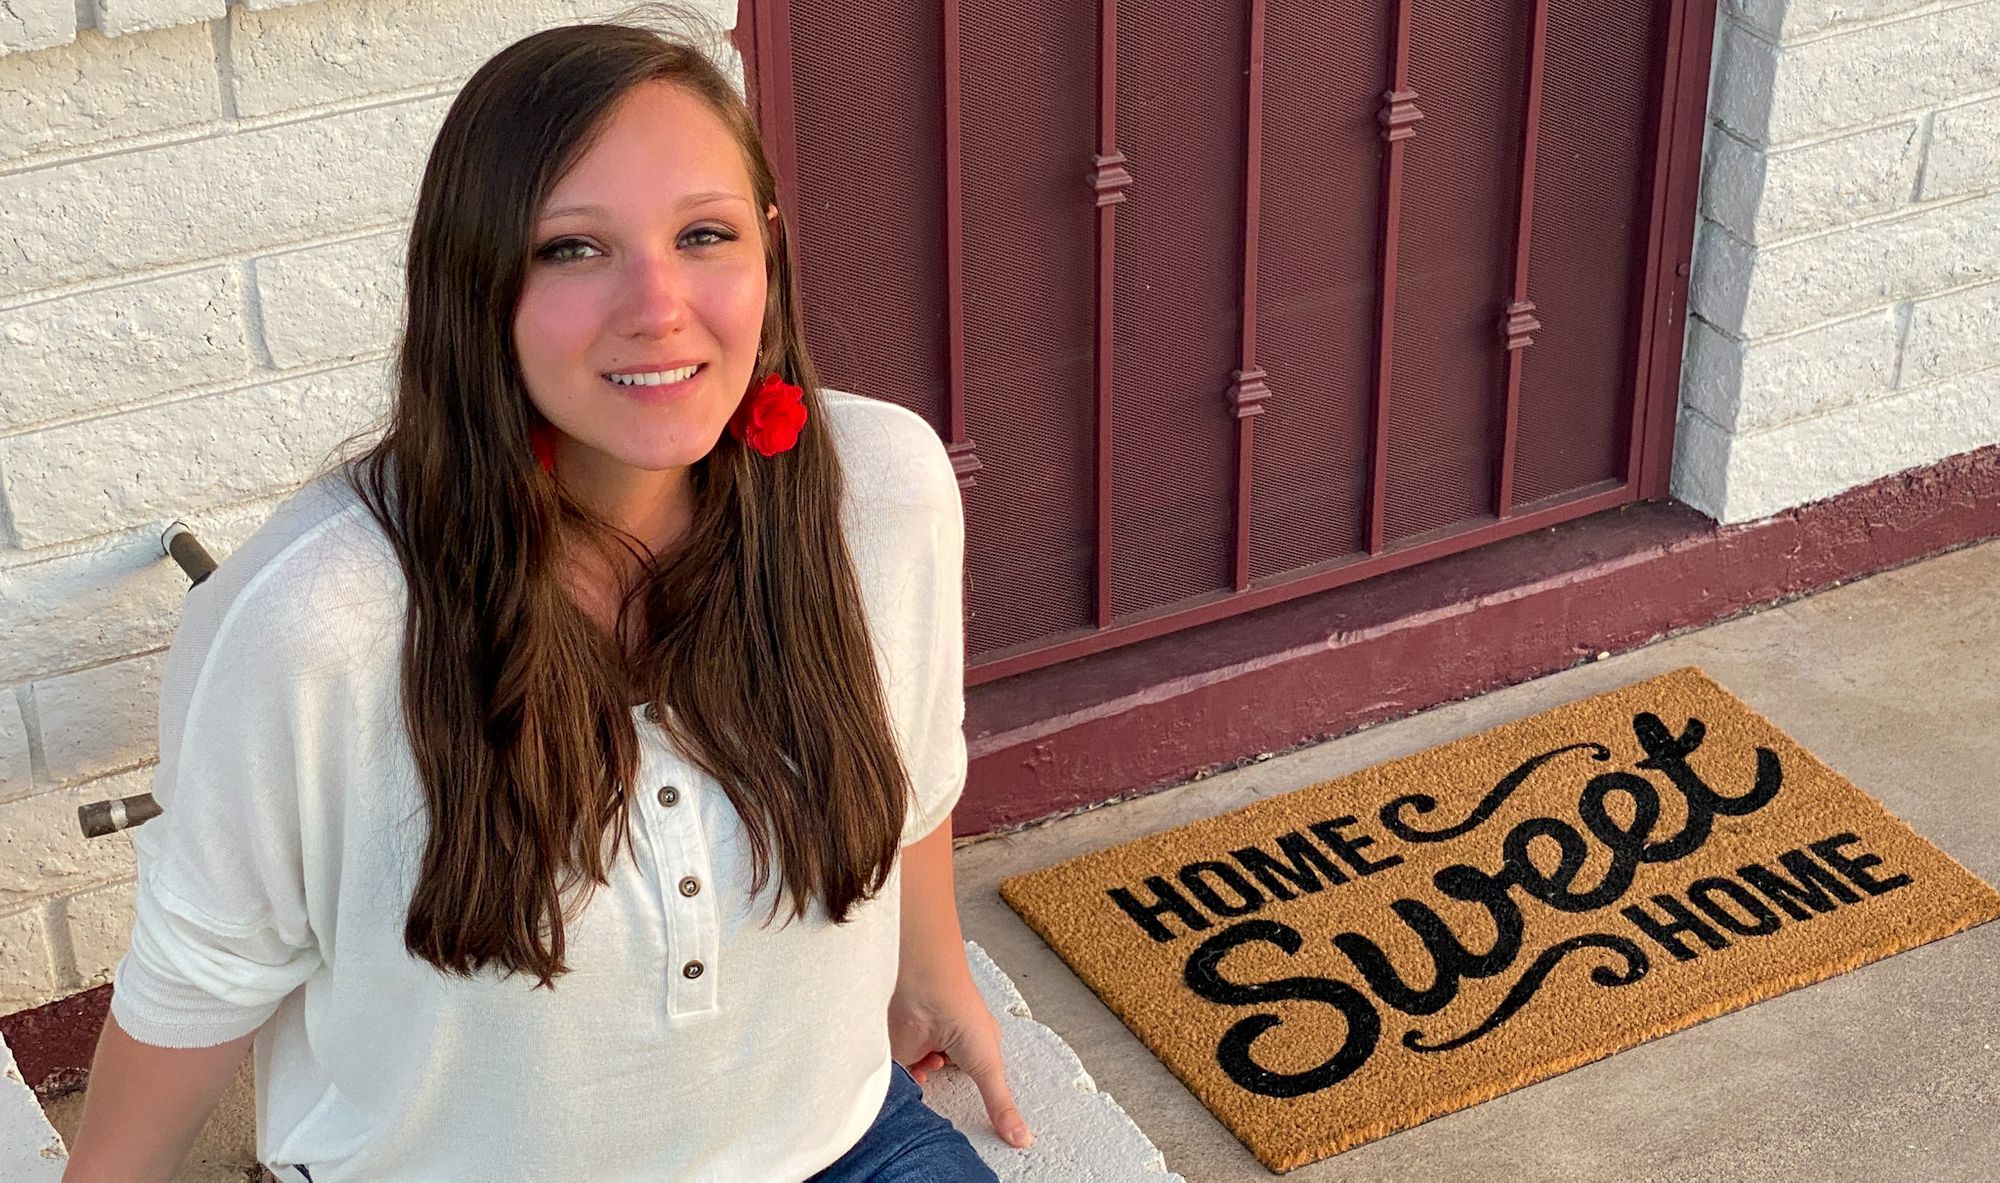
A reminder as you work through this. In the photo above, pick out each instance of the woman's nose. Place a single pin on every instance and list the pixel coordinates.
(653, 296)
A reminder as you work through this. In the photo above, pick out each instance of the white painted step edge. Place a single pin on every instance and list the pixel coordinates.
(1081, 1135)
(30, 1149)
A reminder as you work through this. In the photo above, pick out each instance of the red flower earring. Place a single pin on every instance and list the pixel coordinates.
(542, 438)
(770, 417)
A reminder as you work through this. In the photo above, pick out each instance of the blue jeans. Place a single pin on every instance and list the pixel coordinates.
(909, 1143)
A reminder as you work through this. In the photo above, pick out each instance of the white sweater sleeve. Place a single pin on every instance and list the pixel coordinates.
(249, 712)
(932, 691)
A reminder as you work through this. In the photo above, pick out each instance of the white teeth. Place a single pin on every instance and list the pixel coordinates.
(656, 378)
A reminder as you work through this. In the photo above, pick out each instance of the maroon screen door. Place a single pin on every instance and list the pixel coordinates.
(1220, 303)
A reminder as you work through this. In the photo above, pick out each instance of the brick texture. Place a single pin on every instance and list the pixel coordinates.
(42, 848)
(121, 346)
(1770, 196)
(117, 17)
(97, 91)
(99, 925)
(1701, 463)
(36, 24)
(183, 203)
(1747, 386)
(99, 719)
(345, 50)
(1789, 20)
(1752, 293)
(1774, 95)
(16, 768)
(329, 302)
(1745, 477)
(27, 971)
(119, 596)
(1965, 150)
(153, 464)
(1953, 334)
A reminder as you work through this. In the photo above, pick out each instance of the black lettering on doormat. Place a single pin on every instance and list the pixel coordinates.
(1217, 900)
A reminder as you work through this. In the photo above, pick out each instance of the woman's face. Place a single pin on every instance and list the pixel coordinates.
(646, 259)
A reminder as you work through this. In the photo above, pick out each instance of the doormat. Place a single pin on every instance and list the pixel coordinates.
(1357, 957)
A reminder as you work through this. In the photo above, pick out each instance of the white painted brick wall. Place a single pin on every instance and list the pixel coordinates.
(202, 222)
(72, 481)
(1780, 288)
(122, 346)
(1847, 261)
(99, 92)
(97, 922)
(1765, 471)
(100, 719)
(17, 778)
(28, 971)
(1953, 334)
(1965, 150)
(1744, 388)
(44, 853)
(1762, 195)
(109, 598)
(1790, 20)
(332, 53)
(181, 203)
(116, 17)
(1858, 77)
(340, 300)
(36, 24)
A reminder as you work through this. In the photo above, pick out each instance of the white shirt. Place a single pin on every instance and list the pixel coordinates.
(273, 886)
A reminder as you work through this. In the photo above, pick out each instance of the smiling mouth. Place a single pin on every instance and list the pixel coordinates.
(656, 377)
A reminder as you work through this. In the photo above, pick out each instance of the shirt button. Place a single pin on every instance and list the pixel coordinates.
(670, 796)
(690, 885)
(691, 970)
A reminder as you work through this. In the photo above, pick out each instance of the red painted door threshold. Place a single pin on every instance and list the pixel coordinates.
(1152, 715)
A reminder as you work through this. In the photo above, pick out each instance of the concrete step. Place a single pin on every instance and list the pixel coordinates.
(30, 1149)
(1081, 1135)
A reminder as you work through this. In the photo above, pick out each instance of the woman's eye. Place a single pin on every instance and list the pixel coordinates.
(564, 249)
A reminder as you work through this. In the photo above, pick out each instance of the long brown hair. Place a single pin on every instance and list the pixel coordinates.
(750, 629)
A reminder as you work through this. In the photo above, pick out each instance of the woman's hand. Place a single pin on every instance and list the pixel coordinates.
(939, 1023)
(936, 1015)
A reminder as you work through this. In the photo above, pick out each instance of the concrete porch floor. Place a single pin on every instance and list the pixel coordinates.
(1889, 1071)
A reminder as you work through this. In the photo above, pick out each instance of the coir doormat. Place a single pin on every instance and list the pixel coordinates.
(1354, 958)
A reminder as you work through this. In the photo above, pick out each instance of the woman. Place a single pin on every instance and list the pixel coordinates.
(598, 583)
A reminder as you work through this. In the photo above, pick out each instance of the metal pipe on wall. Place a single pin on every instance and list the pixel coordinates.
(99, 818)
